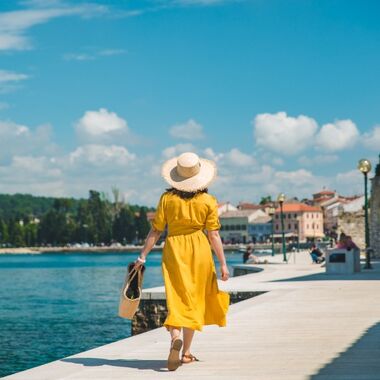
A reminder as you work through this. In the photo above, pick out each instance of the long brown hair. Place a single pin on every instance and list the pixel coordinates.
(185, 194)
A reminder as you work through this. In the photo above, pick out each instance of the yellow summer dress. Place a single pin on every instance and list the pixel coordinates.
(192, 294)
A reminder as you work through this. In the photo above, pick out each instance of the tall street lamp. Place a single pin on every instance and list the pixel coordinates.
(280, 200)
(298, 233)
(272, 211)
(365, 166)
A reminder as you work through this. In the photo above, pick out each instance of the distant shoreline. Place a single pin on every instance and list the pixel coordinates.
(129, 249)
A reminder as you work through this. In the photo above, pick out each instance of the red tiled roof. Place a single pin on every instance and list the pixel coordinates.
(320, 199)
(325, 192)
(249, 206)
(298, 207)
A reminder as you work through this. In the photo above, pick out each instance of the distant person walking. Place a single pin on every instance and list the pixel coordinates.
(346, 242)
(316, 255)
(248, 253)
(192, 294)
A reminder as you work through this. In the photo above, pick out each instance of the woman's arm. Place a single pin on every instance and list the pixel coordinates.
(217, 246)
(150, 242)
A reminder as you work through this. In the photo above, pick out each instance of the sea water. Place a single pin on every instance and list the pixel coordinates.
(54, 305)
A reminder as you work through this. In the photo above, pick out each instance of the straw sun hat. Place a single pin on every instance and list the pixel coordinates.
(188, 172)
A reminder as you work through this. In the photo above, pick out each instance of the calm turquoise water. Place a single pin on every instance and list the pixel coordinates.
(55, 305)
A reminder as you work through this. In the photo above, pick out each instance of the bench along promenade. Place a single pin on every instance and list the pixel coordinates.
(305, 325)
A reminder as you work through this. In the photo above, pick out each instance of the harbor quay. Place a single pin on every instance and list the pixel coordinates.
(304, 324)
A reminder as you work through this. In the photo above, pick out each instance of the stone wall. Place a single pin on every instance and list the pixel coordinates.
(374, 239)
(352, 223)
(152, 312)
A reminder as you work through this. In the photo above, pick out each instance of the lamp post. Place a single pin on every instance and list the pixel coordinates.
(365, 166)
(298, 234)
(281, 199)
(272, 211)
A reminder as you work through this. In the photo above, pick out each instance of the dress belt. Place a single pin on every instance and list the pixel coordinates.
(185, 234)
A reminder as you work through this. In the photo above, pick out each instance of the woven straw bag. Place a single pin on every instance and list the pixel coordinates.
(130, 297)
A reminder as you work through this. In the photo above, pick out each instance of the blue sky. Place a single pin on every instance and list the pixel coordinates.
(284, 95)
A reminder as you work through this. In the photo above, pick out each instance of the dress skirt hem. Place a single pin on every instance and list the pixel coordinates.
(194, 327)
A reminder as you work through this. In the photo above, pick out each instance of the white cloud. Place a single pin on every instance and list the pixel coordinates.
(200, 2)
(176, 150)
(350, 182)
(372, 139)
(10, 79)
(278, 161)
(238, 158)
(33, 175)
(284, 134)
(320, 159)
(211, 155)
(191, 130)
(297, 177)
(102, 126)
(78, 57)
(99, 155)
(233, 158)
(90, 56)
(10, 76)
(337, 136)
(256, 181)
(16, 139)
(15, 24)
(111, 52)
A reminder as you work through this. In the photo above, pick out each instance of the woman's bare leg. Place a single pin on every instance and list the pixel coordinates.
(174, 360)
(188, 335)
(175, 332)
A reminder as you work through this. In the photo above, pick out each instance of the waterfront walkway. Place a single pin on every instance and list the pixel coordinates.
(307, 326)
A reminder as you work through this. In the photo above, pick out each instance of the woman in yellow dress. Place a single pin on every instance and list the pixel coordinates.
(192, 294)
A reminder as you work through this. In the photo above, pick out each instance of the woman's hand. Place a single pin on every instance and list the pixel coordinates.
(139, 262)
(225, 272)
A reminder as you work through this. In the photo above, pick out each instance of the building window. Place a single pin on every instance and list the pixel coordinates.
(312, 216)
(276, 216)
(289, 226)
(307, 216)
(295, 215)
(307, 226)
(295, 226)
(277, 227)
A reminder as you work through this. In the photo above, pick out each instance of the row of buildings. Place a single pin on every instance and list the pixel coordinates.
(327, 214)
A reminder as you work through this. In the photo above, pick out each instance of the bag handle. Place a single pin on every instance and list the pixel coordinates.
(135, 271)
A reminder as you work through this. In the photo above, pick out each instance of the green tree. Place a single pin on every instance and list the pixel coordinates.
(142, 224)
(4, 236)
(265, 200)
(16, 233)
(100, 221)
(124, 228)
(31, 234)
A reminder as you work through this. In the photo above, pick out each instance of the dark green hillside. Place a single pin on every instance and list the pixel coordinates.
(27, 220)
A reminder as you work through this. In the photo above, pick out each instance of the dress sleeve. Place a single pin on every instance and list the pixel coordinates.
(212, 221)
(159, 221)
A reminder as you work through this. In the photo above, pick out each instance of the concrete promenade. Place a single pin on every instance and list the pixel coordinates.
(307, 326)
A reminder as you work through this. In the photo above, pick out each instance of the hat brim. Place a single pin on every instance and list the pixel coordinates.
(200, 181)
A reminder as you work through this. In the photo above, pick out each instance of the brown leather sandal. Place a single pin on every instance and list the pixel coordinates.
(173, 359)
(191, 358)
